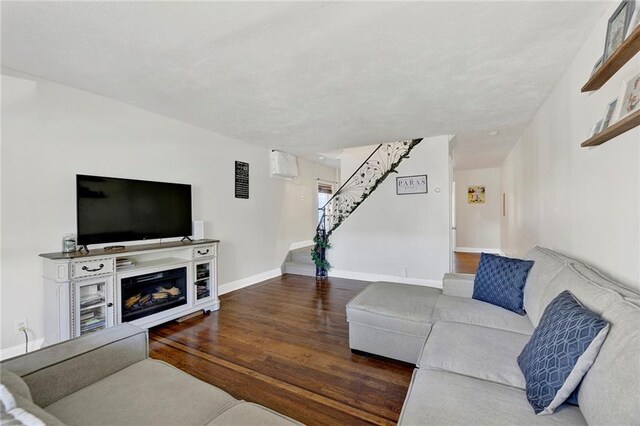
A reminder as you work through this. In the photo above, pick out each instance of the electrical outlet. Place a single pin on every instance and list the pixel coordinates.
(21, 323)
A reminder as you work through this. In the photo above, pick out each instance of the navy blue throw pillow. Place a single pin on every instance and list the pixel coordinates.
(500, 281)
(561, 350)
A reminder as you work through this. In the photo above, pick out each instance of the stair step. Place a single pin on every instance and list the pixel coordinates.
(299, 269)
(302, 255)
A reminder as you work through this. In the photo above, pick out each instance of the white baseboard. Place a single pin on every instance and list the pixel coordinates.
(363, 276)
(246, 282)
(19, 349)
(300, 244)
(477, 250)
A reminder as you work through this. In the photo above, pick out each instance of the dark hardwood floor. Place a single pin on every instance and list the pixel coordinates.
(465, 263)
(284, 344)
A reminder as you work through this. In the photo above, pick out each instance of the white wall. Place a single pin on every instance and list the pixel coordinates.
(51, 132)
(478, 225)
(389, 232)
(581, 201)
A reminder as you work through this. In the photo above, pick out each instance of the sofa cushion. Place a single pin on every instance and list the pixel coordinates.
(546, 266)
(500, 281)
(28, 413)
(591, 294)
(444, 398)
(614, 379)
(402, 308)
(248, 414)
(471, 311)
(475, 351)
(96, 355)
(14, 383)
(148, 392)
(561, 350)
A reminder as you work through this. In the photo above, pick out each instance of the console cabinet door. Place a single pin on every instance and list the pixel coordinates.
(204, 280)
(93, 307)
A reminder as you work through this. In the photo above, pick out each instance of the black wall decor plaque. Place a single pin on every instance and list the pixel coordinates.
(242, 180)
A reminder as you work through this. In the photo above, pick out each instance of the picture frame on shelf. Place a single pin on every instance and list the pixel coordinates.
(596, 128)
(609, 115)
(597, 65)
(617, 27)
(629, 100)
(634, 22)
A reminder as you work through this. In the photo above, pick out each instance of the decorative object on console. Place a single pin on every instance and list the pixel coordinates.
(630, 97)
(500, 281)
(411, 185)
(561, 350)
(476, 194)
(617, 27)
(198, 230)
(69, 243)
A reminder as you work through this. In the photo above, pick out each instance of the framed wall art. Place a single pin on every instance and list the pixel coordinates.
(476, 195)
(406, 185)
(617, 27)
(629, 97)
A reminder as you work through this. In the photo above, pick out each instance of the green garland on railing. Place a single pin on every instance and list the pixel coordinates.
(318, 255)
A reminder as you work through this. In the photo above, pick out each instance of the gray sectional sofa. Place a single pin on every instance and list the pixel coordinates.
(107, 378)
(465, 350)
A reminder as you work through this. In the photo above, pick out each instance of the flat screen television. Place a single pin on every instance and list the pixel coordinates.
(117, 210)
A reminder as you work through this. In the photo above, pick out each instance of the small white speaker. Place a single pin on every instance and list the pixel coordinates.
(198, 230)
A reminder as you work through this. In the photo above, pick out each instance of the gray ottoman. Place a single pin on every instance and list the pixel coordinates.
(392, 320)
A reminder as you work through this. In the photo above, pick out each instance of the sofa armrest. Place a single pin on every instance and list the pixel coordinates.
(460, 285)
(56, 371)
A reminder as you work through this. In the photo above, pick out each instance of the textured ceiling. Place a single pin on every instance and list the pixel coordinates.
(312, 77)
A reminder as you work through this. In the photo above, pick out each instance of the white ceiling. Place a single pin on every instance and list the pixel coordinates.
(312, 77)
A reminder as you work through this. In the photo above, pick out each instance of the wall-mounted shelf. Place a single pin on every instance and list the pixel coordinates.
(617, 128)
(621, 56)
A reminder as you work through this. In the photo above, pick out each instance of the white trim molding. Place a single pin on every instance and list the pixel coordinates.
(477, 250)
(363, 276)
(300, 244)
(246, 282)
(19, 349)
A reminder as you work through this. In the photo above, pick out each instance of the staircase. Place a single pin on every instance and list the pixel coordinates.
(372, 172)
(299, 262)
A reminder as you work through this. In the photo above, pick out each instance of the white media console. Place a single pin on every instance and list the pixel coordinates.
(145, 285)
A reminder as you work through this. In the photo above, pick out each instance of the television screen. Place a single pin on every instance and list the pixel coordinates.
(115, 210)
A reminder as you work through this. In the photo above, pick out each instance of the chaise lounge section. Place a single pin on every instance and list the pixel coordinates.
(107, 378)
(466, 350)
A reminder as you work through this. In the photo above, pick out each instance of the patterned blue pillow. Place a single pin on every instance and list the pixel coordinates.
(500, 281)
(561, 350)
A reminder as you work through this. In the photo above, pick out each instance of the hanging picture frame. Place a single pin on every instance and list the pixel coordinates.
(476, 194)
(407, 185)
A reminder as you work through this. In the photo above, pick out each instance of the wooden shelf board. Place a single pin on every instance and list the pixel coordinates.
(621, 56)
(627, 123)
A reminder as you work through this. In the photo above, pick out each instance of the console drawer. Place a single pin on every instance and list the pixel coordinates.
(204, 251)
(90, 268)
